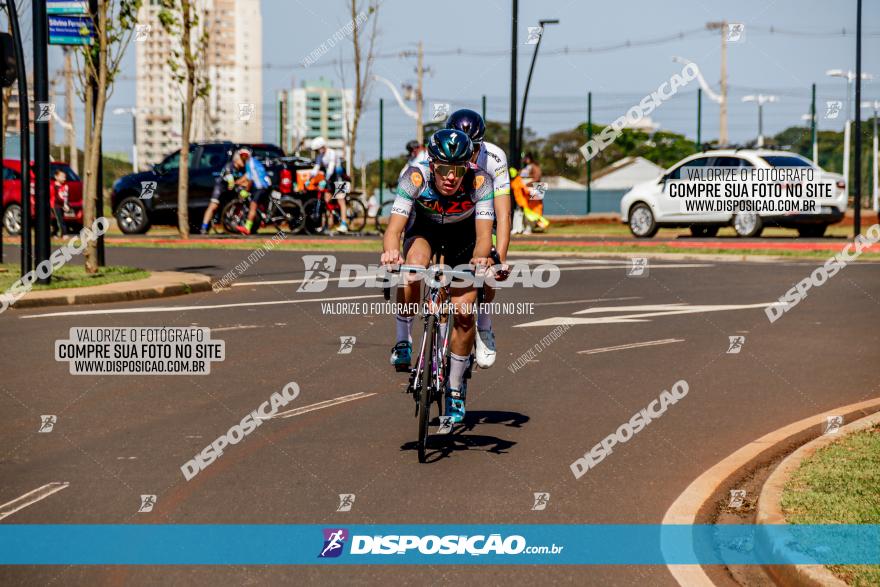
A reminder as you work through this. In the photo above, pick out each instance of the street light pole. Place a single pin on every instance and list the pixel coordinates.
(857, 213)
(514, 153)
(134, 154)
(849, 76)
(761, 99)
(522, 115)
(875, 157)
(27, 254)
(41, 137)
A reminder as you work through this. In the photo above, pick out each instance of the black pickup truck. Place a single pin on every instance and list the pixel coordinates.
(140, 200)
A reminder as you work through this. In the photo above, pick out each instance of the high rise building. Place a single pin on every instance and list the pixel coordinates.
(232, 110)
(317, 109)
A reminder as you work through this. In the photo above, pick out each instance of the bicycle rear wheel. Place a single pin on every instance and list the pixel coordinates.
(288, 216)
(426, 384)
(356, 215)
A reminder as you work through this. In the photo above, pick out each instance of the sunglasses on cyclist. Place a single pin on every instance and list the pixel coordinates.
(442, 169)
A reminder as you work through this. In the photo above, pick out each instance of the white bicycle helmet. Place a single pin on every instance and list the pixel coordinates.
(318, 143)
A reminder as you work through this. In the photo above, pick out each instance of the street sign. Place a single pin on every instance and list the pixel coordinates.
(67, 7)
(71, 30)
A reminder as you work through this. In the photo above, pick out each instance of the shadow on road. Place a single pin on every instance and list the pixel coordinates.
(441, 446)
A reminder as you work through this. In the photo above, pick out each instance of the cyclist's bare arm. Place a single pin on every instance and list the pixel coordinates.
(484, 242)
(391, 241)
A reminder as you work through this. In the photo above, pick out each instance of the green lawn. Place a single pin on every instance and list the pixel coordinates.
(840, 484)
(73, 275)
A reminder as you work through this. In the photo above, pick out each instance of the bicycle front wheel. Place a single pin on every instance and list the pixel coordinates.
(234, 214)
(426, 384)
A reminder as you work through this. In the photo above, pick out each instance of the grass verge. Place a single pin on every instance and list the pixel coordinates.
(74, 276)
(840, 484)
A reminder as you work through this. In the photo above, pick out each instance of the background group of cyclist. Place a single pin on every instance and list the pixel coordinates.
(246, 177)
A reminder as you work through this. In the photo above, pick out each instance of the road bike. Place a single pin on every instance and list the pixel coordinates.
(428, 380)
(321, 215)
(283, 212)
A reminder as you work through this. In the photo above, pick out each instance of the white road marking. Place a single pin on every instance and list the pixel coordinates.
(628, 265)
(586, 301)
(633, 345)
(648, 311)
(188, 308)
(595, 265)
(289, 281)
(321, 405)
(31, 497)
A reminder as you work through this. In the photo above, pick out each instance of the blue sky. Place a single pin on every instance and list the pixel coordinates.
(781, 64)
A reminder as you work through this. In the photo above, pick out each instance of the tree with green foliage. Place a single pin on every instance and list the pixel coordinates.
(180, 19)
(98, 65)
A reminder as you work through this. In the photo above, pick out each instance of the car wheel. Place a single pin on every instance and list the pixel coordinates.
(748, 225)
(641, 221)
(12, 219)
(132, 217)
(812, 230)
(704, 231)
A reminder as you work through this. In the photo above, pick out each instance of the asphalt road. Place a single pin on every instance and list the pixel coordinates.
(118, 437)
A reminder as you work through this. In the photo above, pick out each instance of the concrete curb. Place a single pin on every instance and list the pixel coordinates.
(159, 284)
(708, 488)
(770, 508)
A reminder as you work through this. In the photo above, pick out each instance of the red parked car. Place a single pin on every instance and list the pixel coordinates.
(73, 218)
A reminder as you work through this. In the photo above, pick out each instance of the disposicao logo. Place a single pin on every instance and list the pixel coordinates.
(334, 542)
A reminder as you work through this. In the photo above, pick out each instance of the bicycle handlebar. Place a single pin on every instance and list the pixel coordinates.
(433, 271)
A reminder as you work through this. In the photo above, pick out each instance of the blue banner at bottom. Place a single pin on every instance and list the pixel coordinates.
(527, 544)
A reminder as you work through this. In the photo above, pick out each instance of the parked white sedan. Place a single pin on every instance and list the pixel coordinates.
(647, 207)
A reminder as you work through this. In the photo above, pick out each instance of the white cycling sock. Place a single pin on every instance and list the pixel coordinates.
(484, 319)
(457, 366)
(404, 326)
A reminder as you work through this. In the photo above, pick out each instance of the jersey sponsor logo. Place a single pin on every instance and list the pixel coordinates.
(448, 207)
(478, 181)
(494, 156)
(416, 178)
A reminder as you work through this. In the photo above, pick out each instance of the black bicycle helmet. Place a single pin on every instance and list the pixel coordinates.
(412, 146)
(450, 146)
(468, 122)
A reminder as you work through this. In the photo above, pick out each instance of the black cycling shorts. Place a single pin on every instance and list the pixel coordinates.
(456, 240)
(259, 196)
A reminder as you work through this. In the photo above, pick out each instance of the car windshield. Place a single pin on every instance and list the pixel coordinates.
(786, 161)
